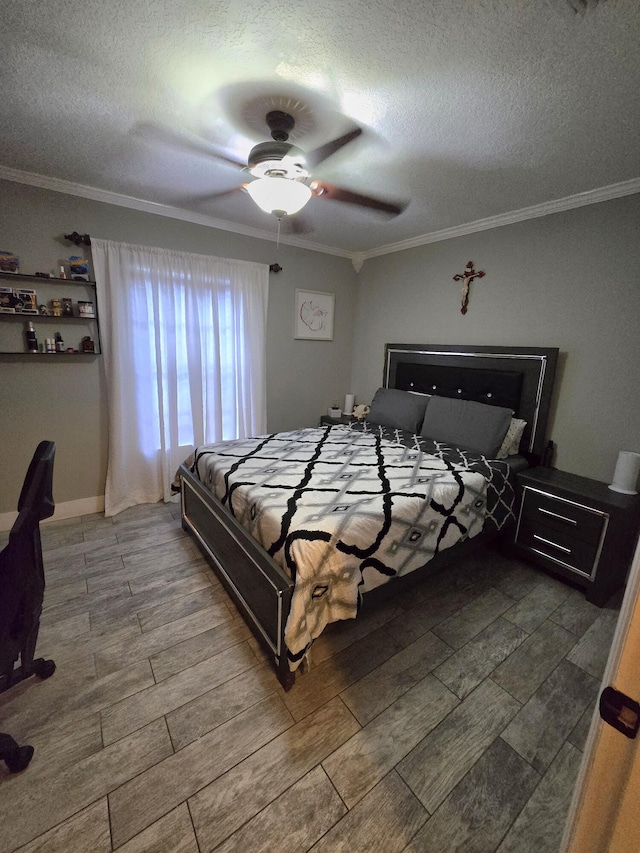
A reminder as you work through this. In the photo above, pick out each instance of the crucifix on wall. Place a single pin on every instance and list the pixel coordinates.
(466, 278)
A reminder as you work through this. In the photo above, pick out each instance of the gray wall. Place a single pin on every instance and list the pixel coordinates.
(568, 280)
(66, 402)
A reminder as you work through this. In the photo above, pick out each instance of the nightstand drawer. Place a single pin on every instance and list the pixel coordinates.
(559, 546)
(564, 516)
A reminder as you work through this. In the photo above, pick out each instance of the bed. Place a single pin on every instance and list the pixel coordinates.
(300, 525)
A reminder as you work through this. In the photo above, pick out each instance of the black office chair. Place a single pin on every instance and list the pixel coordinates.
(22, 591)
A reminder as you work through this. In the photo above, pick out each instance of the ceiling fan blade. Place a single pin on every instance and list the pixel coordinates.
(202, 199)
(322, 189)
(222, 194)
(185, 141)
(318, 155)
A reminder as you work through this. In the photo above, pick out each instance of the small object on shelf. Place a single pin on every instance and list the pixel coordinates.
(87, 345)
(56, 308)
(59, 342)
(69, 350)
(42, 274)
(50, 345)
(67, 307)
(335, 412)
(32, 341)
(62, 272)
(26, 301)
(79, 268)
(9, 262)
(85, 309)
(7, 301)
(43, 310)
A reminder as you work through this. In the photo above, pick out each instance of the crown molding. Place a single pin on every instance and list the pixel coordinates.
(357, 258)
(108, 197)
(578, 200)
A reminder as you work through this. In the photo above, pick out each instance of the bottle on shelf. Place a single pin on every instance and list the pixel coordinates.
(32, 340)
(62, 272)
(59, 342)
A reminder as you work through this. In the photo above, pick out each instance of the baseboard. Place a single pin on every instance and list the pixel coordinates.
(67, 509)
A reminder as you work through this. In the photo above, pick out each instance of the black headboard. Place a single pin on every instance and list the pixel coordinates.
(520, 378)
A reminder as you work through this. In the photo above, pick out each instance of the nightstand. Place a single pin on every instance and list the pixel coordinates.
(577, 528)
(325, 420)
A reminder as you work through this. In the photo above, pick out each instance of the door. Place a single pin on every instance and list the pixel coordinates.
(604, 816)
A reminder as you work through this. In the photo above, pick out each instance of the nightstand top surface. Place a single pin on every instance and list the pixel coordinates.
(327, 420)
(574, 486)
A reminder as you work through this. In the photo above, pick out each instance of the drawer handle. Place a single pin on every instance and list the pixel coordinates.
(556, 515)
(553, 544)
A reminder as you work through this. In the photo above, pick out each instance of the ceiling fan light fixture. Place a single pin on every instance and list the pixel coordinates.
(280, 196)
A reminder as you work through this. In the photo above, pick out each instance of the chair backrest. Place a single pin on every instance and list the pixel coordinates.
(37, 491)
(21, 568)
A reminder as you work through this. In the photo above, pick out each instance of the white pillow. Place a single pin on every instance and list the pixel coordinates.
(511, 441)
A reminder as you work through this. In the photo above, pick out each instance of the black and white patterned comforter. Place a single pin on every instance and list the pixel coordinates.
(344, 509)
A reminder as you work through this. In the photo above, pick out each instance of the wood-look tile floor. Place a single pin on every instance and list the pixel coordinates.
(448, 718)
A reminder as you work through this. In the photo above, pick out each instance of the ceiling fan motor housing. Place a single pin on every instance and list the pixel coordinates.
(283, 158)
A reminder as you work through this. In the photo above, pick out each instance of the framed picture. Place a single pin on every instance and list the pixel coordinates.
(314, 315)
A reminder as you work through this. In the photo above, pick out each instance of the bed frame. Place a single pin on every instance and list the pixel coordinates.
(518, 377)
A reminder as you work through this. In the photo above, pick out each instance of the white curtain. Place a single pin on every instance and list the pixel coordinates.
(183, 338)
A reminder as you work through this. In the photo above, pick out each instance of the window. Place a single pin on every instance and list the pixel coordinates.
(184, 344)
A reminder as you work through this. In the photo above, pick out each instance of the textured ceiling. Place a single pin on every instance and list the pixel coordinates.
(471, 109)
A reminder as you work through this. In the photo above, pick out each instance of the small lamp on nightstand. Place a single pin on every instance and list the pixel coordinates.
(625, 477)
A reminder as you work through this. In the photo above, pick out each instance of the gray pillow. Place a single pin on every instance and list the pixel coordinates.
(467, 424)
(398, 409)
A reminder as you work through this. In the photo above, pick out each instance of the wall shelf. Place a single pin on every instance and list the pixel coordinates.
(77, 327)
(43, 354)
(42, 279)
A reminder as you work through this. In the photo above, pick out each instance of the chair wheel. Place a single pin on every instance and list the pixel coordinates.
(20, 759)
(44, 668)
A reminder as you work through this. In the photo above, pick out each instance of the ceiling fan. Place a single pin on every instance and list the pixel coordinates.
(282, 183)
(281, 170)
